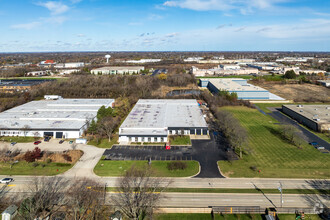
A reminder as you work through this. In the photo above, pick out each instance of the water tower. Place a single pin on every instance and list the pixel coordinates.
(107, 57)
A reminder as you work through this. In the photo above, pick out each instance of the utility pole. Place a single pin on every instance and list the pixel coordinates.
(280, 188)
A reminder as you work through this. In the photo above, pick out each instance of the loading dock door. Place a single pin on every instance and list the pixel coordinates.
(51, 134)
(59, 134)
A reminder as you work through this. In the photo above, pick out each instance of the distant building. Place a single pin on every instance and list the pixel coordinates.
(239, 86)
(144, 61)
(193, 59)
(114, 70)
(47, 63)
(226, 61)
(40, 73)
(153, 120)
(60, 118)
(68, 71)
(294, 59)
(224, 70)
(325, 83)
(12, 86)
(310, 72)
(159, 71)
(70, 65)
(315, 117)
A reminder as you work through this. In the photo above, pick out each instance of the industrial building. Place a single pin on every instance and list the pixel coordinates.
(153, 120)
(114, 70)
(239, 86)
(224, 70)
(61, 118)
(70, 65)
(315, 117)
(17, 85)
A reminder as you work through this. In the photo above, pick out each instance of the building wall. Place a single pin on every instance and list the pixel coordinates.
(40, 133)
(144, 138)
(300, 118)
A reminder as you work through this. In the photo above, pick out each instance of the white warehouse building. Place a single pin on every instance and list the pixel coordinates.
(61, 118)
(153, 120)
(114, 70)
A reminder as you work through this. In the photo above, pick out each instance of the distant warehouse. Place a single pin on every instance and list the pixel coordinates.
(56, 117)
(114, 70)
(152, 120)
(239, 86)
(315, 117)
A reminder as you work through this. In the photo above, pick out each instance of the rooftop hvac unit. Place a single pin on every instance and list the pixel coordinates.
(317, 119)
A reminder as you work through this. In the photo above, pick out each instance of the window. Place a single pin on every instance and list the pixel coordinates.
(149, 139)
(136, 139)
(161, 139)
(129, 139)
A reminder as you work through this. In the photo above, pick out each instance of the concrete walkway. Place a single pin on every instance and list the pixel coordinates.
(85, 165)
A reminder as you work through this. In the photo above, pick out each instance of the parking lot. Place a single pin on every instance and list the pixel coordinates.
(206, 152)
(119, 152)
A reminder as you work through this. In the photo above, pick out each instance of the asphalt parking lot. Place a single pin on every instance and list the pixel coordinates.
(206, 152)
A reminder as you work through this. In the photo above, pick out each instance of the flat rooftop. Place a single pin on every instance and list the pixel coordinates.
(119, 68)
(313, 112)
(154, 116)
(234, 84)
(52, 114)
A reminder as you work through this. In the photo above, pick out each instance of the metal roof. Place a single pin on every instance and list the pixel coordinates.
(52, 114)
(154, 116)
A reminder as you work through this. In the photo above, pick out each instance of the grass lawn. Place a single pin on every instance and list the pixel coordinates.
(202, 216)
(18, 139)
(25, 168)
(180, 140)
(264, 106)
(104, 143)
(273, 156)
(118, 168)
(293, 216)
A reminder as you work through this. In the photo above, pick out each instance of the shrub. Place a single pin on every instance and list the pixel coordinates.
(254, 168)
(43, 165)
(67, 158)
(35, 164)
(28, 157)
(48, 160)
(176, 165)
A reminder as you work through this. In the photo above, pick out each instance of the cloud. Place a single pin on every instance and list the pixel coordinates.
(54, 7)
(263, 29)
(155, 17)
(244, 6)
(171, 35)
(81, 35)
(240, 29)
(27, 26)
(75, 1)
(221, 26)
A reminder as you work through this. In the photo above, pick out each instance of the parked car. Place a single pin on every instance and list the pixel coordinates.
(313, 143)
(37, 142)
(70, 142)
(12, 143)
(61, 141)
(47, 139)
(6, 180)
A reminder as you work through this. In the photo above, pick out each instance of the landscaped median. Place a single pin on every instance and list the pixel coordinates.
(37, 162)
(160, 168)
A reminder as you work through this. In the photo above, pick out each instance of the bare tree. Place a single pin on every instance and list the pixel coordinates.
(138, 193)
(85, 199)
(292, 134)
(26, 129)
(47, 197)
(107, 125)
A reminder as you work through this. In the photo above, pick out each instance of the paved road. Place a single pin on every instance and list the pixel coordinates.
(204, 200)
(306, 134)
(206, 152)
(240, 183)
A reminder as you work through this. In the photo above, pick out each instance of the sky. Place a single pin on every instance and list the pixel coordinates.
(164, 25)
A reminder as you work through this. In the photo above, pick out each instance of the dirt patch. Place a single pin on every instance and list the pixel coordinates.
(71, 156)
(298, 92)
